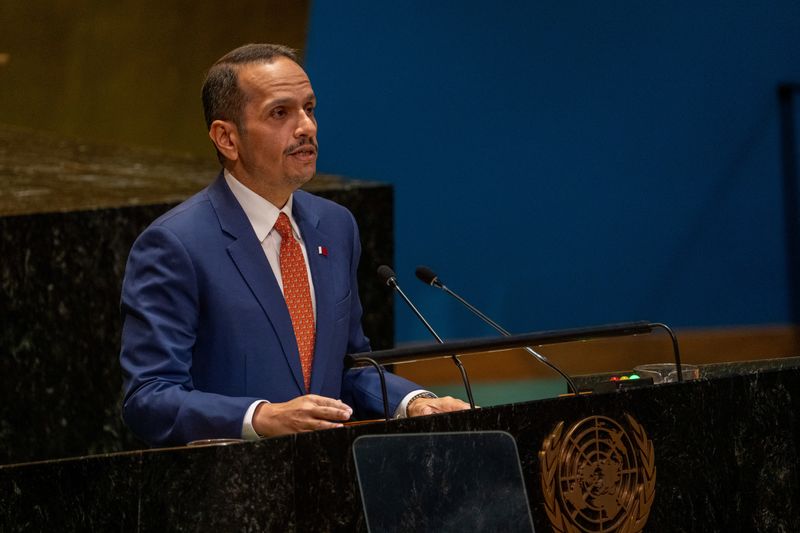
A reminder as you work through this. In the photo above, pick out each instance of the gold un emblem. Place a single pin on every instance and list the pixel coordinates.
(596, 478)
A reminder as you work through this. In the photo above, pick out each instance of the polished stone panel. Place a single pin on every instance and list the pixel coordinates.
(69, 212)
(726, 454)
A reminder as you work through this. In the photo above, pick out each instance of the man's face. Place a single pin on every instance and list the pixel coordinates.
(278, 132)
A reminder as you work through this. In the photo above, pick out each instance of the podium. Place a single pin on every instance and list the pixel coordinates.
(725, 450)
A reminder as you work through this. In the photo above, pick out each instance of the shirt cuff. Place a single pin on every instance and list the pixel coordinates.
(401, 411)
(248, 431)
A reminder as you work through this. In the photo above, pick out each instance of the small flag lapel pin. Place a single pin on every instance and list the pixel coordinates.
(322, 250)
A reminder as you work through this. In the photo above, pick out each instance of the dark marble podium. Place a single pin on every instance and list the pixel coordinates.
(69, 212)
(726, 452)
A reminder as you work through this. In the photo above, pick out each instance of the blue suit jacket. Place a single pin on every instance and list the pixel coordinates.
(206, 329)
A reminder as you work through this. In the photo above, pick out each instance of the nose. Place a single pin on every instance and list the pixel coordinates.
(306, 125)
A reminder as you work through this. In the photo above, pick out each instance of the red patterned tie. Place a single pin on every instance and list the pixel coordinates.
(297, 293)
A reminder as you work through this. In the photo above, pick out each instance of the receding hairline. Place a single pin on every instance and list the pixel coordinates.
(223, 95)
(278, 83)
(257, 53)
(236, 66)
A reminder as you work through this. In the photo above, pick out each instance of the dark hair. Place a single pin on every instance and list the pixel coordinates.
(222, 97)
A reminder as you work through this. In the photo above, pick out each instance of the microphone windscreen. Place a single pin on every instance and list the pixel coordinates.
(426, 275)
(386, 273)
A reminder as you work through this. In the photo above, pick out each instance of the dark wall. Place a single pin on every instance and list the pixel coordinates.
(565, 164)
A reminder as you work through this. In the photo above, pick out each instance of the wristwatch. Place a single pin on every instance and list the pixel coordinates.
(417, 397)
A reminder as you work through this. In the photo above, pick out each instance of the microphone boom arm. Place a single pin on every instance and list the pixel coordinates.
(504, 332)
(388, 275)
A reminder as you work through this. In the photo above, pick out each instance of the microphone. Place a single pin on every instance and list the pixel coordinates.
(388, 276)
(429, 277)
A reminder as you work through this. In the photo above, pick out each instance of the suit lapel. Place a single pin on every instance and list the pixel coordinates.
(249, 258)
(319, 265)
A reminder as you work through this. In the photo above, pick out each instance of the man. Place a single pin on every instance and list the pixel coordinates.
(240, 303)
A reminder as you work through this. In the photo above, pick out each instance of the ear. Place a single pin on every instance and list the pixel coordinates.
(225, 137)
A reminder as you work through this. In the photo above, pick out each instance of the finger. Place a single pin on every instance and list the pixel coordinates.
(314, 424)
(328, 402)
(448, 404)
(324, 424)
(330, 413)
(455, 403)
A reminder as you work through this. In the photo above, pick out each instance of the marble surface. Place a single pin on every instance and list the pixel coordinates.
(726, 453)
(43, 173)
(69, 212)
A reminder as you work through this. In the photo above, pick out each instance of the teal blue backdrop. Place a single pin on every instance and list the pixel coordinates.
(568, 163)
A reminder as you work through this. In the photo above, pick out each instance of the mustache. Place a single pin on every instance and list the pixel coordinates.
(303, 142)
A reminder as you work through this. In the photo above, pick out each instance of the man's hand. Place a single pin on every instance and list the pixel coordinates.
(304, 413)
(429, 406)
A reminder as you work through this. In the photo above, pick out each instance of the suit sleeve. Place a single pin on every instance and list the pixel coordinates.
(160, 302)
(361, 387)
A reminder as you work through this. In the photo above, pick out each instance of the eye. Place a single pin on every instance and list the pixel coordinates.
(310, 109)
(278, 112)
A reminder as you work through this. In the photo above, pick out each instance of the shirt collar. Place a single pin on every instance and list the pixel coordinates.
(259, 211)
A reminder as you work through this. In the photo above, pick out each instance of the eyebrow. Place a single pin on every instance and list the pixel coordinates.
(310, 97)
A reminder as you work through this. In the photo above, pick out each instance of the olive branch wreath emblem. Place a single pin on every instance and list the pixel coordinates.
(551, 457)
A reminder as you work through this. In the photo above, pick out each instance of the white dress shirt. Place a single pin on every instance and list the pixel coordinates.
(262, 216)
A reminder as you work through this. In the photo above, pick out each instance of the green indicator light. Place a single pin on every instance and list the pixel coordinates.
(634, 376)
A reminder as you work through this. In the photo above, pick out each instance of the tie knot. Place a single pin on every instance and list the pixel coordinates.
(283, 226)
